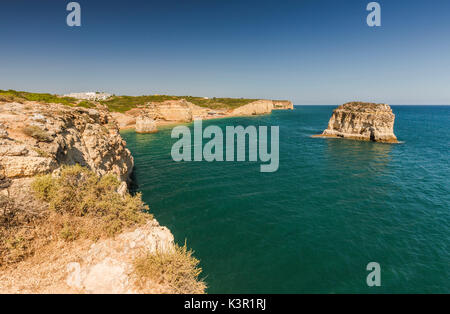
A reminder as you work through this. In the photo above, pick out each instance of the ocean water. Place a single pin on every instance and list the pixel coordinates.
(332, 207)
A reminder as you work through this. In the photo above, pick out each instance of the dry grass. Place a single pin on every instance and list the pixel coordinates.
(79, 193)
(178, 270)
(20, 232)
(81, 205)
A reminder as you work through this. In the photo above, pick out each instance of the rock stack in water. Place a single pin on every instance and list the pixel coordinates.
(362, 121)
(145, 124)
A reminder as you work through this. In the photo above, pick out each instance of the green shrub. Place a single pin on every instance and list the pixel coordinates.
(43, 186)
(80, 193)
(37, 133)
(176, 269)
(86, 104)
(12, 95)
(41, 153)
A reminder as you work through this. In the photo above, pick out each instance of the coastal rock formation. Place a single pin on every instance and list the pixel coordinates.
(125, 121)
(51, 256)
(170, 110)
(262, 106)
(179, 111)
(362, 121)
(107, 267)
(3, 132)
(145, 124)
(39, 138)
(254, 108)
(282, 105)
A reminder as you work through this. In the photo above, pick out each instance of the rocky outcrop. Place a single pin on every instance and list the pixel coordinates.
(124, 121)
(362, 121)
(38, 139)
(3, 132)
(263, 106)
(170, 110)
(283, 105)
(176, 111)
(145, 124)
(254, 108)
(107, 267)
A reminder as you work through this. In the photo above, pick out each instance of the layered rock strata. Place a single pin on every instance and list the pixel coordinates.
(362, 121)
(182, 111)
(282, 105)
(37, 139)
(145, 124)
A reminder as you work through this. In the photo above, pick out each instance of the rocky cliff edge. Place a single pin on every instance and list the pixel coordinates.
(38, 139)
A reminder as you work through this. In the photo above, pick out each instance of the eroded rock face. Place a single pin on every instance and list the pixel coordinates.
(145, 124)
(37, 139)
(108, 266)
(362, 121)
(282, 105)
(124, 121)
(170, 110)
(59, 135)
(184, 111)
(255, 108)
(3, 132)
(263, 106)
(84, 266)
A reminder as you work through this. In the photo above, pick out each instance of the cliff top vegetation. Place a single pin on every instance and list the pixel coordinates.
(122, 103)
(125, 103)
(21, 96)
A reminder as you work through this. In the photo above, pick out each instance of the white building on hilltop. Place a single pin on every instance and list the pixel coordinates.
(89, 96)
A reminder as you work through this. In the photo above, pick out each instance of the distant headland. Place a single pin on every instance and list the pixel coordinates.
(145, 113)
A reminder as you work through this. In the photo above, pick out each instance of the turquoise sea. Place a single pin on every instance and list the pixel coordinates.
(332, 207)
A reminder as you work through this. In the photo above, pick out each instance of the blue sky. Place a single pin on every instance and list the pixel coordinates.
(311, 51)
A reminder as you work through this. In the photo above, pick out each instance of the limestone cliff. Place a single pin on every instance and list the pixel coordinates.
(263, 106)
(254, 108)
(105, 266)
(40, 138)
(282, 105)
(362, 121)
(170, 110)
(145, 124)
